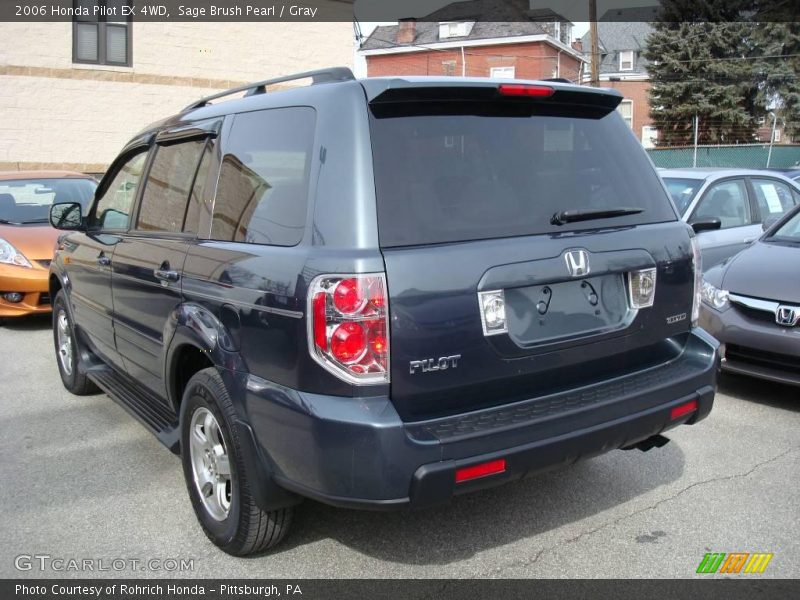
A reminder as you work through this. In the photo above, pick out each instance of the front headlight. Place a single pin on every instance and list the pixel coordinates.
(11, 256)
(714, 297)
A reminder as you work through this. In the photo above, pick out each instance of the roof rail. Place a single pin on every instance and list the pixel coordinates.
(260, 87)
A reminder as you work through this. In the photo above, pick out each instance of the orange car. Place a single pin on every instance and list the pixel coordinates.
(26, 238)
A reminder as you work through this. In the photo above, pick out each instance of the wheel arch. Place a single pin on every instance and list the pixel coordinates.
(199, 340)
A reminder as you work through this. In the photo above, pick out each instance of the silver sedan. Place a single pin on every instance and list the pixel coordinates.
(728, 207)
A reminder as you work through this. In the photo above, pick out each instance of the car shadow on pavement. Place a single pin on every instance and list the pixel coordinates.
(29, 323)
(760, 391)
(491, 518)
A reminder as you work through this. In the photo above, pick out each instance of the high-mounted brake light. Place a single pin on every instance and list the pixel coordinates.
(348, 326)
(531, 91)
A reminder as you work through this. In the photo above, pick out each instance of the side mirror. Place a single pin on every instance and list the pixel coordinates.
(67, 216)
(769, 222)
(710, 224)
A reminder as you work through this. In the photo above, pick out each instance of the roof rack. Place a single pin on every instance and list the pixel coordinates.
(260, 87)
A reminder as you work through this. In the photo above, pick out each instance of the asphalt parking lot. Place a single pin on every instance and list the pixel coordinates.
(82, 479)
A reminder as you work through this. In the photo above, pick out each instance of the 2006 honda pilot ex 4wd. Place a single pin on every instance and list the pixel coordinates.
(382, 293)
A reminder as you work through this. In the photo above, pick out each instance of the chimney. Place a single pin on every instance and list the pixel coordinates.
(407, 31)
(578, 45)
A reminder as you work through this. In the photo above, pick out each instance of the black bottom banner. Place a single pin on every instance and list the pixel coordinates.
(401, 589)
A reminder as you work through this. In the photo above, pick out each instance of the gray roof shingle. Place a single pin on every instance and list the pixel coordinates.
(614, 37)
(428, 33)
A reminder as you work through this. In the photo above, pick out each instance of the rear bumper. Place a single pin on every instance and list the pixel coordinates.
(31, 283)
(356, 452)
(758, 348)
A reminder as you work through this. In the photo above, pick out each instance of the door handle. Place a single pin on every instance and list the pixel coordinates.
(166, 275)
(103, 260)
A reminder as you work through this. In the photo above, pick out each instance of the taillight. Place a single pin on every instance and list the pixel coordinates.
(530, 91)
(348, 329)
(697, 265)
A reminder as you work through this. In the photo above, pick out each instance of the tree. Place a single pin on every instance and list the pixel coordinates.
(701, 64)
(778, 70)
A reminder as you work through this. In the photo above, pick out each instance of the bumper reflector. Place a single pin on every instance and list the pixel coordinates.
(683, 409)
(482, 470)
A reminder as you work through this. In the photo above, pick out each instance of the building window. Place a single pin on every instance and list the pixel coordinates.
(625, 108)
(626, 60)
(449, 68)
(455, 29)
(502, 72)
(103, 39)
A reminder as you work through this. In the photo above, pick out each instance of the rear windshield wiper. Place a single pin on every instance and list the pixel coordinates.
(589, 214)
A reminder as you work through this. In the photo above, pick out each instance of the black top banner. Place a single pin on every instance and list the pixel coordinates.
(394, 10)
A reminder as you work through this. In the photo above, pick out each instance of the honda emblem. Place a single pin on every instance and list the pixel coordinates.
(577, 262)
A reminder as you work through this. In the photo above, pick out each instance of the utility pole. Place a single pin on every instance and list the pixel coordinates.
(696, 131)
(772, 138)
(595, 46)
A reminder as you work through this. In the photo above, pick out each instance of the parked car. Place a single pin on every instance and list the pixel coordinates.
(751, 303)
(727, 207)
(382, 293)
(26, 238)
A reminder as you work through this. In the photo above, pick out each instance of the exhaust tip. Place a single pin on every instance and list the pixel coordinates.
(655, 441)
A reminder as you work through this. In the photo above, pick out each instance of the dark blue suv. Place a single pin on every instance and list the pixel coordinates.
(382, 293)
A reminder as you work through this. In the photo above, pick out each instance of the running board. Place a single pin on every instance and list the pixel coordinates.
(139, 402)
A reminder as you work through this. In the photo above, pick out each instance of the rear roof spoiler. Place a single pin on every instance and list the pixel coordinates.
(396, 90)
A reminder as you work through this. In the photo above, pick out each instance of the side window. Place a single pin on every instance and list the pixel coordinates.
(113, 208)
(726, 201)
(198, 205)
(166, 192)
(774, 197)
(262, 194)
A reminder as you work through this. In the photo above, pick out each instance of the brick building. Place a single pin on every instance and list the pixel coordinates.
(521, 50)
(71, 94)
(623, 68)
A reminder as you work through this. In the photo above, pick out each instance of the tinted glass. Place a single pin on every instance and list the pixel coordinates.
(198, 203)
(262, 192)
(29, 200)
(113, 208)
(726, 201)
(682, 191)
(774, 197)
(166, 192)
(457, 177)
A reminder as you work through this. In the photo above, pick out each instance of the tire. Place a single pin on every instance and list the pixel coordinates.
(68, 350)
(222, 501)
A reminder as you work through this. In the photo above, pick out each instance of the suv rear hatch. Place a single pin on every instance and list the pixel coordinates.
(473, 180)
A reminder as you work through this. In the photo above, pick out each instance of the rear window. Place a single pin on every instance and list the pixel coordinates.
(262, 193)
(458, 177)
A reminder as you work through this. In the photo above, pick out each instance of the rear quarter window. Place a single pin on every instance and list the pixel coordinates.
(262, 194)
(458, 177)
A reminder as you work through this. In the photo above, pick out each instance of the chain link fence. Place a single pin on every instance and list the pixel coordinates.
(745, 156)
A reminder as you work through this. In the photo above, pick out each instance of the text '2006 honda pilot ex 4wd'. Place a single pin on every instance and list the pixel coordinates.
(382, 293)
